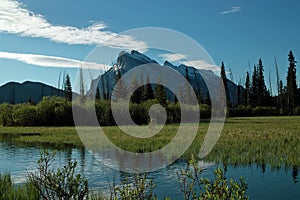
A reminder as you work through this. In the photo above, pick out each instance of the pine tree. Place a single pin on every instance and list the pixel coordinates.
(142, 89)
(107, 93)
(68, 88)
(137, 94)
(247, 90)
(120, 90)
(103, 88)
(197, 92)
(261, 86)
(281, 95)
(82, 90)
(148, 92)
(97, 96)
(187, 89)
(160, 93)
(225, 82)
(254, 87)
(291, 83)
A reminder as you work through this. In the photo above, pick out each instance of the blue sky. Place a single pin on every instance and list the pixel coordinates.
(41, 38)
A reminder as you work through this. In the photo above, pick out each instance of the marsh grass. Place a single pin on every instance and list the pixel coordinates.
(270, 141)
(10, 191)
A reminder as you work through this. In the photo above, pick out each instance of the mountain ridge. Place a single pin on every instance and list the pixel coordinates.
(127, 61)
(15, 92)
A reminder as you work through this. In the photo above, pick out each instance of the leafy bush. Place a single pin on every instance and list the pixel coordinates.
(297, 110)
(265, 111)
(59, 184)
(205, 111)
(6, 111)
(25, 115)
(53, 111)
(138, 187)
(193, 186)
(221, 188)
(240, 111)
(103, 112)
(243, 111)
(138, 113)
(173, 112)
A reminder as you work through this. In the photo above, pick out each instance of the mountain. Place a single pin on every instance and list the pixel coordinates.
(15, 93)
(127, 61)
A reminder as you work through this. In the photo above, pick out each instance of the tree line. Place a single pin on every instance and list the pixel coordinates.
(253, 99)
(255, 96)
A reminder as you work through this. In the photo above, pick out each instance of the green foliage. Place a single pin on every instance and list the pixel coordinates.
(205, 111)
(138, 114)
(103, 112)
(82, 96)
(6, 111)
(246, 111)
(148, 92)
(160, 93)
(68, 88)
(222, 189)
(25, 116)
(120, 90)
(261, 86)
(225, 81)
(137, 187)
(54, 111)
(247, 91)
(97, 96)
(297, 110)
(60, 184)
(254, 87)
(193, 186)
(137, 95)
(291, 83)
(9, 191)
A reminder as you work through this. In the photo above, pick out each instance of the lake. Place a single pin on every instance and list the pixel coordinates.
(263, 182)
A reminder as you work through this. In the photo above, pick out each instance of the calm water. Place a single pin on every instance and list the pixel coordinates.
(263, 184)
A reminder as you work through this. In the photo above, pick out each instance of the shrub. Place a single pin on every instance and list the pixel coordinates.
(138, 113)
(193, 186)
(138, 187)
(6, 111)
(221, 188)
(103, 112)
(205, 111)
(240, 111)
(24, 116)
(297, 110)
(59, 184)
(173, 112)
(53, 111)
(264, 111)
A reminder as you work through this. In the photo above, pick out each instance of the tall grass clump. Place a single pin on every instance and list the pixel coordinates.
(10, 191)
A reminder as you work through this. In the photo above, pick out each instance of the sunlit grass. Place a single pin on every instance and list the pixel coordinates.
(262, 140)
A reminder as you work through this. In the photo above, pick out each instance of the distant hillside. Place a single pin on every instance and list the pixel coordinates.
(15, 93)
(126, 61)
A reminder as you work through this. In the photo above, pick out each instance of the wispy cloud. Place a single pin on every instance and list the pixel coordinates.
(51, 61)
(173, 57)
(16, 19)
(232, 10)
(202, 64)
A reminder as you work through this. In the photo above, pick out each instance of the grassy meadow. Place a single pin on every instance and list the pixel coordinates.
(244, 141)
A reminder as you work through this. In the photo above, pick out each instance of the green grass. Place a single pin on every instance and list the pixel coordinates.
(9, 191)
(262, 140)
(41, 136)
